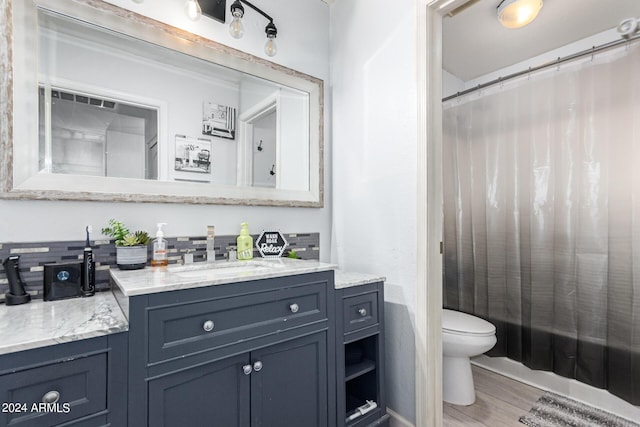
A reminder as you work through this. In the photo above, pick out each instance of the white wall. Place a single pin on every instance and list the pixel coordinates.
(303, 39)
(373, 66)
(294, 127)
(453, 84)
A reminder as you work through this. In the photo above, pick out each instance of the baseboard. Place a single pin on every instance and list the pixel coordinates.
(398, 420)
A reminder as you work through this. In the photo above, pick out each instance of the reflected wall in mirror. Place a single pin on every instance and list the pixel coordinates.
(83, 134)
(146, 112)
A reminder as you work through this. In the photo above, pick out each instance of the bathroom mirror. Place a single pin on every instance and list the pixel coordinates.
(116, 106)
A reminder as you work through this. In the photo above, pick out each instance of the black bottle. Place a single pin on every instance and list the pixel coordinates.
(88, 268)
(88, 273)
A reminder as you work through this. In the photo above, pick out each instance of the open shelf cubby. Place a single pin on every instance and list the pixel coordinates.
(360, 357)
(361, 376)
(361, 389)
(357, 369)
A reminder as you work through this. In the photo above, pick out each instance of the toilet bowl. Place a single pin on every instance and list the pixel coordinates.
(463, 336)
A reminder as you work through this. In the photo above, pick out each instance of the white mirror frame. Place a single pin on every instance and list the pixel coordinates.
(18, 113)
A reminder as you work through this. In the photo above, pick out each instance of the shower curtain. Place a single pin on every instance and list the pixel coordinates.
(542, 217)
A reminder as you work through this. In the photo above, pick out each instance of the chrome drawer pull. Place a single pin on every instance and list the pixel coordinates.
(257, 366)
(246, 369)
(208, 326)
(362, 312)
(294, 308)
(51, 397)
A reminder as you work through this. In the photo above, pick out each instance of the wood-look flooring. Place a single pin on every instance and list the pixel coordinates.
(500, 401)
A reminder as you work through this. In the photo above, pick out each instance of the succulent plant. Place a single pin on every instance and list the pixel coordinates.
(124, 237)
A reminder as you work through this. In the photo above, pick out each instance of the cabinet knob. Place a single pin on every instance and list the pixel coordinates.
(362, 312)
(246, 369)
(257, 366)
(51, 397)
(294, 308)
(208, 325)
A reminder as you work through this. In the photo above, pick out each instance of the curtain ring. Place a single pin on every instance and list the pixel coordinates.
(529, 74)
(558, 66)
(593, 52)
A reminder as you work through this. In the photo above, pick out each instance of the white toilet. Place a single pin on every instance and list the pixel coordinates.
(463, 336)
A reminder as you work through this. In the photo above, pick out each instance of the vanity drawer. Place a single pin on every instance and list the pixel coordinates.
(73, 389)
(360, 311)
(178, 330)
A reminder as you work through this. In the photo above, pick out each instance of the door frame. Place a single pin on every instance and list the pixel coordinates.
(428, 323)
(267, 106)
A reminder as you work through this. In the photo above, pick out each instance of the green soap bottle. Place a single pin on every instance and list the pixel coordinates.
(245, 243)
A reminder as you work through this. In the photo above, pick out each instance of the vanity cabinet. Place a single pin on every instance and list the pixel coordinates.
(256, 353)
(81, 383)
(360, 355)
(280, 385)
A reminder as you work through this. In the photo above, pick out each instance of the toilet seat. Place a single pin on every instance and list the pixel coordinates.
(457, 323)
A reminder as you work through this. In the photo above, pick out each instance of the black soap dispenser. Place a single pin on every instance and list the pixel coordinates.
(16, 294)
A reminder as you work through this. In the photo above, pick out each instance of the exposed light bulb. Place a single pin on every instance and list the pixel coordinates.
(192, 9)
(270, 47)
(236, 29)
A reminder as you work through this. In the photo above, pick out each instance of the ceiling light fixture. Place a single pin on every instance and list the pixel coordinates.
(518, 13)
(236, 29)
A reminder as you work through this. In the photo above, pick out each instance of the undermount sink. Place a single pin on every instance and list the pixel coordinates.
(222, 269)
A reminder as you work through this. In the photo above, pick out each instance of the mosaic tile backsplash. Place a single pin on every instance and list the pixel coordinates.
(33, 256)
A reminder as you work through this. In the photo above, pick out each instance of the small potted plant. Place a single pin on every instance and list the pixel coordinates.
(131, 248)
(293, 254)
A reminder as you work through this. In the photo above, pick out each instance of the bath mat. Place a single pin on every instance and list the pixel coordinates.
(553, 410)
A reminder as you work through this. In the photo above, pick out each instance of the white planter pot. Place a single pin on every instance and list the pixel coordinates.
(131, 257)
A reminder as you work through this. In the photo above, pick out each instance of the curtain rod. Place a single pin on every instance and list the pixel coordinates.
(554, 63)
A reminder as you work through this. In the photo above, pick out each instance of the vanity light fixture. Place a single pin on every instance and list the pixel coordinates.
(236, 29)
(192, 9)
(215, 9)
(518, 13)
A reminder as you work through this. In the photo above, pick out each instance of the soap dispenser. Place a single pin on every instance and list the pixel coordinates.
(160, 248)
(245, 243)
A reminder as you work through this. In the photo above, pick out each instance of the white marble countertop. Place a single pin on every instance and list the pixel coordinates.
(160, 279)
(42, 323)
(347, 279)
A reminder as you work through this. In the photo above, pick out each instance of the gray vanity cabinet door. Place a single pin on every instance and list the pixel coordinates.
(215, 394)
(289, 383)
